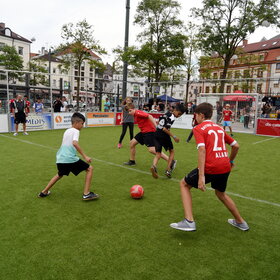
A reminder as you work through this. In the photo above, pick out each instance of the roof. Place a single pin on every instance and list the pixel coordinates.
(46, 57)
(13, 35)
(273, 43)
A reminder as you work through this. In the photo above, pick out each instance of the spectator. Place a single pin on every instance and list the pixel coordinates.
(57, 105)
(38, 106)
(219, 109)
(64, 103)
(107, 105)
(20, 112)
(25, 98)
(246, 116)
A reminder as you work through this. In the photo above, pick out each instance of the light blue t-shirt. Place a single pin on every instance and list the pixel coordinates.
(67, 152)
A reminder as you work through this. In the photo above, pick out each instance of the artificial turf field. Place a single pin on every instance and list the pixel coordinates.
(116, 237)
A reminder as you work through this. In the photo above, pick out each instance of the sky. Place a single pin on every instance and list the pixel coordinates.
(43, 21)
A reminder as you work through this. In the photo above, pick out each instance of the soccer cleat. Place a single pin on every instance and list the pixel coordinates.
(41, 194)
(243, 226)
(184, 225)
(130, 162)
(154, 171)
(90, 196)
(168, 173)
(15, 134)
(119, 145)
(173, 165)
(25, 133)
(231, 135)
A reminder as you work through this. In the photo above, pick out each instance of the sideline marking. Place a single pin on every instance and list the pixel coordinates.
(143, 172)
(264, 140)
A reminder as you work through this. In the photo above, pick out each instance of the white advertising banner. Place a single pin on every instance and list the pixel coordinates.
(4, 123)
(63, 120)
(185, 122)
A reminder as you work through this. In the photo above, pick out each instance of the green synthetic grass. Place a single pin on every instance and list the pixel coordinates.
(116, 237)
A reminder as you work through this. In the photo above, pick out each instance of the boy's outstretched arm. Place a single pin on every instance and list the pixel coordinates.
(168, 132)
(201, 167)
(79, 149)
(233, 153)
(153, 121)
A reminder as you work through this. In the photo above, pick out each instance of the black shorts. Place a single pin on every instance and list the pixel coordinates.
(75, 167)
(163, 141)
(218, 181)
(146, 138)
(20, 117)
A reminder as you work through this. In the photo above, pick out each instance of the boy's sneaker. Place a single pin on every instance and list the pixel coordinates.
(25, 133)
(41, 194)
(168, 173)
(184, 225)
(243, 226)
(119, 145)
(90, 196)
(15, 134)
(231, 135)
(173, 164)
(154, 171)
(130, 162)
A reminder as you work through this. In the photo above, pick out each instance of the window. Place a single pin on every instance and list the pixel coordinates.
(54, 83)
(91, 69)
(207, 89)
(260, 73)
(54, 70)
(20, 50)
(235, 88)
(246, 74)
(215, 75)
(2, 45)
(228, 89)
(214, 89)
(229, 74)
(278, 66)
(236, 74)
(259, 88)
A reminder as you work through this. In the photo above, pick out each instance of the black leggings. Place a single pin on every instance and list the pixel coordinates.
(124, 128)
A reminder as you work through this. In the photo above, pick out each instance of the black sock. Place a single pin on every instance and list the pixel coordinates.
(188, 221)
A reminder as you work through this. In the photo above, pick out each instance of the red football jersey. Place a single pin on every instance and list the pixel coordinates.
(227, 114)
(214, 138)
(144, 124)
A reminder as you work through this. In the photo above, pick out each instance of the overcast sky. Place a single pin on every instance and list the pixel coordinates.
(43, 20)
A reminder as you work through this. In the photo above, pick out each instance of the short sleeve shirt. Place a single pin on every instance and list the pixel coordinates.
(144, 124)
(67, 152)
(214, 139)
(165, 121)
(38, 107)
(227, 114)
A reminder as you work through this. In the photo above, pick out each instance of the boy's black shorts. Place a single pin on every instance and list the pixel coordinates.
(163, 141)
(218, 181)
(20, 117)
(146, 138)
(75, 167)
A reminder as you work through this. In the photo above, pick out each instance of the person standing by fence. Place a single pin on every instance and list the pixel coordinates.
(127, 120)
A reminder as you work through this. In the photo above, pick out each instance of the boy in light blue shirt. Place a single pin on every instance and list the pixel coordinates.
(67, 160)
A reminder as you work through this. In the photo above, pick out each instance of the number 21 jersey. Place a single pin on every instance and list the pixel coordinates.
(214, 138)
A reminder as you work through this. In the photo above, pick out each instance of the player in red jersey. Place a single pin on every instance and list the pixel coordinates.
(147, 126)
(227, 115)
(214, 166)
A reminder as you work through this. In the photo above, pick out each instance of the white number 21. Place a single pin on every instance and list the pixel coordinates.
(216, 140)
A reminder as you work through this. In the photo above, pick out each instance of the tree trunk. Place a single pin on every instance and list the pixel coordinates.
(224, 75)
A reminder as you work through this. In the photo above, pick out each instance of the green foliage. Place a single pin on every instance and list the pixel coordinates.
(225, 23)
(38, 79)
(162, 42)
(11, 60)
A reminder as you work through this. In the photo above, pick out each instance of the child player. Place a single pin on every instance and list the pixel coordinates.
(163, 139)
(214, 167)
(147, 126)
(67, 160)
(227, 115)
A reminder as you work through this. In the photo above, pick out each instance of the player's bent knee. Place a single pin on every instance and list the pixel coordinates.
(90, 168)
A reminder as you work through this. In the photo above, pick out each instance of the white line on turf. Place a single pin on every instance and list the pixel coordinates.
(141, 171)
(264, 140)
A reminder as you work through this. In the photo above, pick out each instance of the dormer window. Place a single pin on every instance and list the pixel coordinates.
(8, 32)
(274, 43)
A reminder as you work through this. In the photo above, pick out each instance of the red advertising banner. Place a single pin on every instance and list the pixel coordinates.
(268, 127)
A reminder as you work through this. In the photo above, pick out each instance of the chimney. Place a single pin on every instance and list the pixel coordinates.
(2, 25)
(245, 42)
(43, 50)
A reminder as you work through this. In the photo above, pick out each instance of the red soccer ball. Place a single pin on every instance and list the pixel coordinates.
(136, 192)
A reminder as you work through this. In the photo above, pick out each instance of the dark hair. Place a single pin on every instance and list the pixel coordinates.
(181, 108)
(206, 109)
(77, 117)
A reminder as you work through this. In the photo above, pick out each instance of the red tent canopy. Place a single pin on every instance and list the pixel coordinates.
(239, 98)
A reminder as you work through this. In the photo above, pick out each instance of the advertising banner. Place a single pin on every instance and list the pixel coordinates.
(63, 120)
(268, 127)
(35, 122)
(4, 123)
(100, 119)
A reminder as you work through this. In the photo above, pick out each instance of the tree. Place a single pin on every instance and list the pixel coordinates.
(226, 23)
(78, 47)
(162, 40)
(11, 60)
(36, 77)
